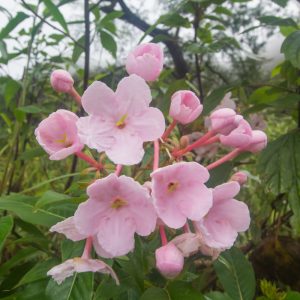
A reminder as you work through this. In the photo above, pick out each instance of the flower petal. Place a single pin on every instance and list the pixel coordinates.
(226, 191)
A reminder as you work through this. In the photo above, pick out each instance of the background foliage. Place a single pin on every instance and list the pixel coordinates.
(212, 47)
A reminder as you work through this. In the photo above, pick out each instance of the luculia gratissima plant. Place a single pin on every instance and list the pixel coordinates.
(175, 196)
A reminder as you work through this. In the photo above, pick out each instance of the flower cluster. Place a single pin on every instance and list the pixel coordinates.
(118, 207)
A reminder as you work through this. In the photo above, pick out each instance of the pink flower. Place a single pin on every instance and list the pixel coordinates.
(179, 193)
(169, 260)
(146, 60)
(227, 217)
(79, 265)
(117, 208)
(258, 141)
(239, 137)
(185, 107)
(224, 120)
(61, 81)
(241, 177)
(119, 123)
(58, 135)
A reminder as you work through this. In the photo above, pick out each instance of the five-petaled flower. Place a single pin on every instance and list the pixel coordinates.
(119, 122)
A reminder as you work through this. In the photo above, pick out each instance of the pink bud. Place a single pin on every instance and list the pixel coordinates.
(146, 61)
(224, 120)
(240, 177)
(258, 141)
(185, 107)
(169, 260)
(239, 137)
(61, 81)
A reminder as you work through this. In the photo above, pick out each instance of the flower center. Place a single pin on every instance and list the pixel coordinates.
(64, 141)
(118, 203)
(172, 186)
(121, 123)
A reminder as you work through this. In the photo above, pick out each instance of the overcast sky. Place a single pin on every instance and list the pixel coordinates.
(149, 11)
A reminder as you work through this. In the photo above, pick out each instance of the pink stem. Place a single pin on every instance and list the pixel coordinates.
(212, 140)
(196, 144)
(163, 236)
(74, 94)
(118, 170)
(87, 248)
(169, 130)
(229, 156)
(156, 155)
(89, 160)
(186, 228)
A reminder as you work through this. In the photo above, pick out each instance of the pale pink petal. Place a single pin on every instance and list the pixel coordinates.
(133, 95)
(116, 233)
(65, 152)
(88, 214)
(98, 99)
(226, 190)
(127, 149)
(99, 250)
(67, 227)
(188, 243)
(149, 125)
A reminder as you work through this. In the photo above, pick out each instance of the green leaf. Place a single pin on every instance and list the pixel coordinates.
(11, 89)
(213, 99)
(291, 48)
(216, 296)
(29, 213)
(155, 293)
(56, 14)
(236, 274)
(108, 43)
(31, 109)
(6, 225)
(282, 3)
(78, 49)
(12, 24)
(223, 10)
(277, 21)
(279, 165)
(220, 174)
(179, 290)
(51, 197)
(111, 16)
(292, 296)
(174, 20)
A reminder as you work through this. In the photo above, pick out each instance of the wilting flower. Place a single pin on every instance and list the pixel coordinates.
(185, 107)
(119, 123)
(79, 265)
(61, 81)
(117, 208)
(146, 60)
(179, 193)
(227, 217)
(169, 260)
(258, 141)
(58, 135)
(239, 137)
(224, 120)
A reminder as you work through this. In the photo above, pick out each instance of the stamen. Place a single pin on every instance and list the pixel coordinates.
(121, 123)
(64, 141)
(172, 186)
(118, 203)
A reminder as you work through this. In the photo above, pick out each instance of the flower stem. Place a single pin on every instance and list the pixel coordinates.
(212, 140)
(75, 95)
(229, 156)
(87, 248)
(156, 155)
(118, 170)
(163, 236)
(89, 160)
(196, 144)
(169, 130)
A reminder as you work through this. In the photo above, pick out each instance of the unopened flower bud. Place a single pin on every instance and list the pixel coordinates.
(240, 177)
(146, 61)
(61, 81)
(224, 120)
(169, 260)
(258, 141)
(185, 107)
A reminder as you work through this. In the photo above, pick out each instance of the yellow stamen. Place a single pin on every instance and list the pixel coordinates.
(172, 186)
(121, 123)
(64, 141)
(118, 202)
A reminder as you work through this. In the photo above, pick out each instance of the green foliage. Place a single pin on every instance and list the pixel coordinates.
(236, 275)
(6, 225)
(12, 24)
(291, 48)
